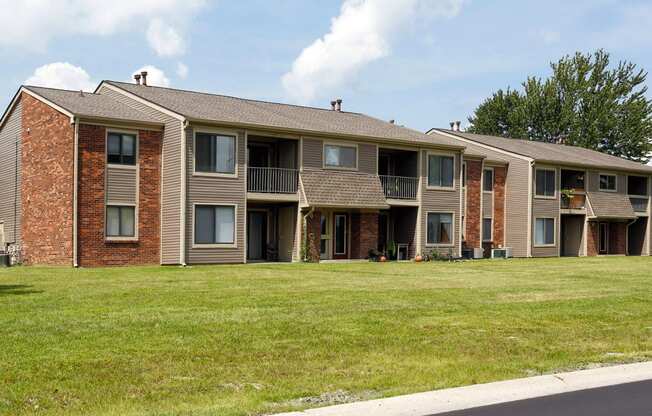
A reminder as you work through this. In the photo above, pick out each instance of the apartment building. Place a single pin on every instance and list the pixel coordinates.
(136, 174)
(543, 200)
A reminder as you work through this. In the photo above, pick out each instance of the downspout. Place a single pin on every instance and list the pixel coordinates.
(182, 231)
(75, 190)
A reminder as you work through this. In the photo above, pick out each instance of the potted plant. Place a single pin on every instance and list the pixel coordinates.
(567, 197)
(418, 258)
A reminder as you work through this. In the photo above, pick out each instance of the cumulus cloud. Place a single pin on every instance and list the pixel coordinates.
(33, 24)
(61, 75)
(362, 33)
(182, 70)
(155, 76)
(164, 39)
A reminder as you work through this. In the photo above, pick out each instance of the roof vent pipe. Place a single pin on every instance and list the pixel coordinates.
(137, 78)
(392, 121)
(339, 104)
(457, 125)
(144, 75)
(452, 123)
(333, 105)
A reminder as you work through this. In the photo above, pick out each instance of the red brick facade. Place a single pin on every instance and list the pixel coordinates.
(47, 184)
(94, 250)
(364, 234)
(473, 197)
(617, 238)
(592, 240)
(500, 175)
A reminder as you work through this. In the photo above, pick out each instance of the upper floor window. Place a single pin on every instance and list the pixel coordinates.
(121, 149)
(441, 171)
(338, 156)
(488, 185)
(215, 153)
(637, 185)
(545, 183)
(607, 182)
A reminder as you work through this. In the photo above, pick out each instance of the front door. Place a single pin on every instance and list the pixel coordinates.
(603, 238)
(256, 235)
(340, 236)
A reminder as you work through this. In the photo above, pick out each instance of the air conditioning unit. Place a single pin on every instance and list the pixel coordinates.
(501, 253)
(478, 253)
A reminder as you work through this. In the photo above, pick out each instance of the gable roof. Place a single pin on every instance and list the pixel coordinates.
(342, 189)
(90, 105)
(200, 106)
(553, 153)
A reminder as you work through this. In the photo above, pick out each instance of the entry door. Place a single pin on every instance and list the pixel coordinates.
(257, 235)
(340, 236)
(603, 238)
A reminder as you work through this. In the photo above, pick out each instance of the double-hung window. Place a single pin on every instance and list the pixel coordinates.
(340, 157)
(215, 153)
(121, 149)
(487, 229)
(545, 183)
(488, 185)
(440, 228)
(214, 224)
(608, 183)
(544, 232)
(120, 221)
(441, 171)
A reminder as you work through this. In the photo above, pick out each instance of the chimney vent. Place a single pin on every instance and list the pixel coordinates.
(144, 75)
(333, 105)
(392, 121)
(137, 78)
(457, 125)
(338, 107)
(452, 123)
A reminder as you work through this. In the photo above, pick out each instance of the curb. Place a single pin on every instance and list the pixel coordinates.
(460, 398)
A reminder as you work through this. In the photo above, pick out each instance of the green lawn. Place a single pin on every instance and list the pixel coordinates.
(255, 339)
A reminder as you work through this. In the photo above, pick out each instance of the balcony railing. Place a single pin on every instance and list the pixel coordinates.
(399, 187)
(576, 201)
(639, 204)
(272, 180)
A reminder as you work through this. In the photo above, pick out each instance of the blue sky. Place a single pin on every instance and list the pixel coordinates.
(421, 62)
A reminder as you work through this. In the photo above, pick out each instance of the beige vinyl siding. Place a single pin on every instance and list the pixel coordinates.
(548, 208)
(367, 154)
(10, 183)
(170, 177)
(312, 153)
(487, 204)
(516, 207)
(594, 181)
(433, 200)
(216, 190)
(121, 185)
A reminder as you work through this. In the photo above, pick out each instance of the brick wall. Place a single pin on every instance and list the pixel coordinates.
(364, 234)
(618, 238)
(592, 239)
(473, 197)
(313, 236)
(93, 249)
(500, 175)
(47, 184)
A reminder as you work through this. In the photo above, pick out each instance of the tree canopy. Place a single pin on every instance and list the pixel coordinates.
(585, 102)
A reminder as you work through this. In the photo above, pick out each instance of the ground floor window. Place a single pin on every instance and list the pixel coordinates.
(544, 232)
(487, 229)
(440, 228)
(214, 224)
(120, 221)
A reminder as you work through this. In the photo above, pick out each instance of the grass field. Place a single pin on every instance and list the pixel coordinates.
(256, 339)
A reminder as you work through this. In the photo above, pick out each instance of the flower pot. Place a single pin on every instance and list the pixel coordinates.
(383, 259)
(418, 258)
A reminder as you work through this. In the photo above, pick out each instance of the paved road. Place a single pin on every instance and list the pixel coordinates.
(633, 399)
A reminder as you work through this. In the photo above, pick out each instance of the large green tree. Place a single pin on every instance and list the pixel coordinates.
(585, 102)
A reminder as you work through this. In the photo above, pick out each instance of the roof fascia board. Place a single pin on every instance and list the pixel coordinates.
(120, 121)
(142, 100)
(50, 103)
(484, 146)
(591, 166)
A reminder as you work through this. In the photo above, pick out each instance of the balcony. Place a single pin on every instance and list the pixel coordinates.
(399, 187)
(639, 204)
(272, 180)
(574, 202)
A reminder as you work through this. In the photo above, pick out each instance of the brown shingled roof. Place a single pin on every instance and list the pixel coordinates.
(610, 205)
(331, 188)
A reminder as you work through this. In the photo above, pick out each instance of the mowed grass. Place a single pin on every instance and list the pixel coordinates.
(256, 339)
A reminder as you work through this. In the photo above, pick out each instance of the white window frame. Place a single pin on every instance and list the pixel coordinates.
(427, 173)
(493, 179)
(340, 144)
(615, 176)
(235, 225)
(491, 230)
(219, 132)
(452, 243)
(554, 195)
(554, 227)
(635, 195)
(106, 149)
(115, 238)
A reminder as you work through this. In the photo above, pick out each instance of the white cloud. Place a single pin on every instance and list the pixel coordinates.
(182, 70)
(62, 75)
(164, 39)
(362, 33)
(33, 24)
(155, 77)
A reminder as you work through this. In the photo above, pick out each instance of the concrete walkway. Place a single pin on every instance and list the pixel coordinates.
(449, 400)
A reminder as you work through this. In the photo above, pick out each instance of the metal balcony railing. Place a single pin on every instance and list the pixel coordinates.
(272, 180)
(399, 187)
(639, 204)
